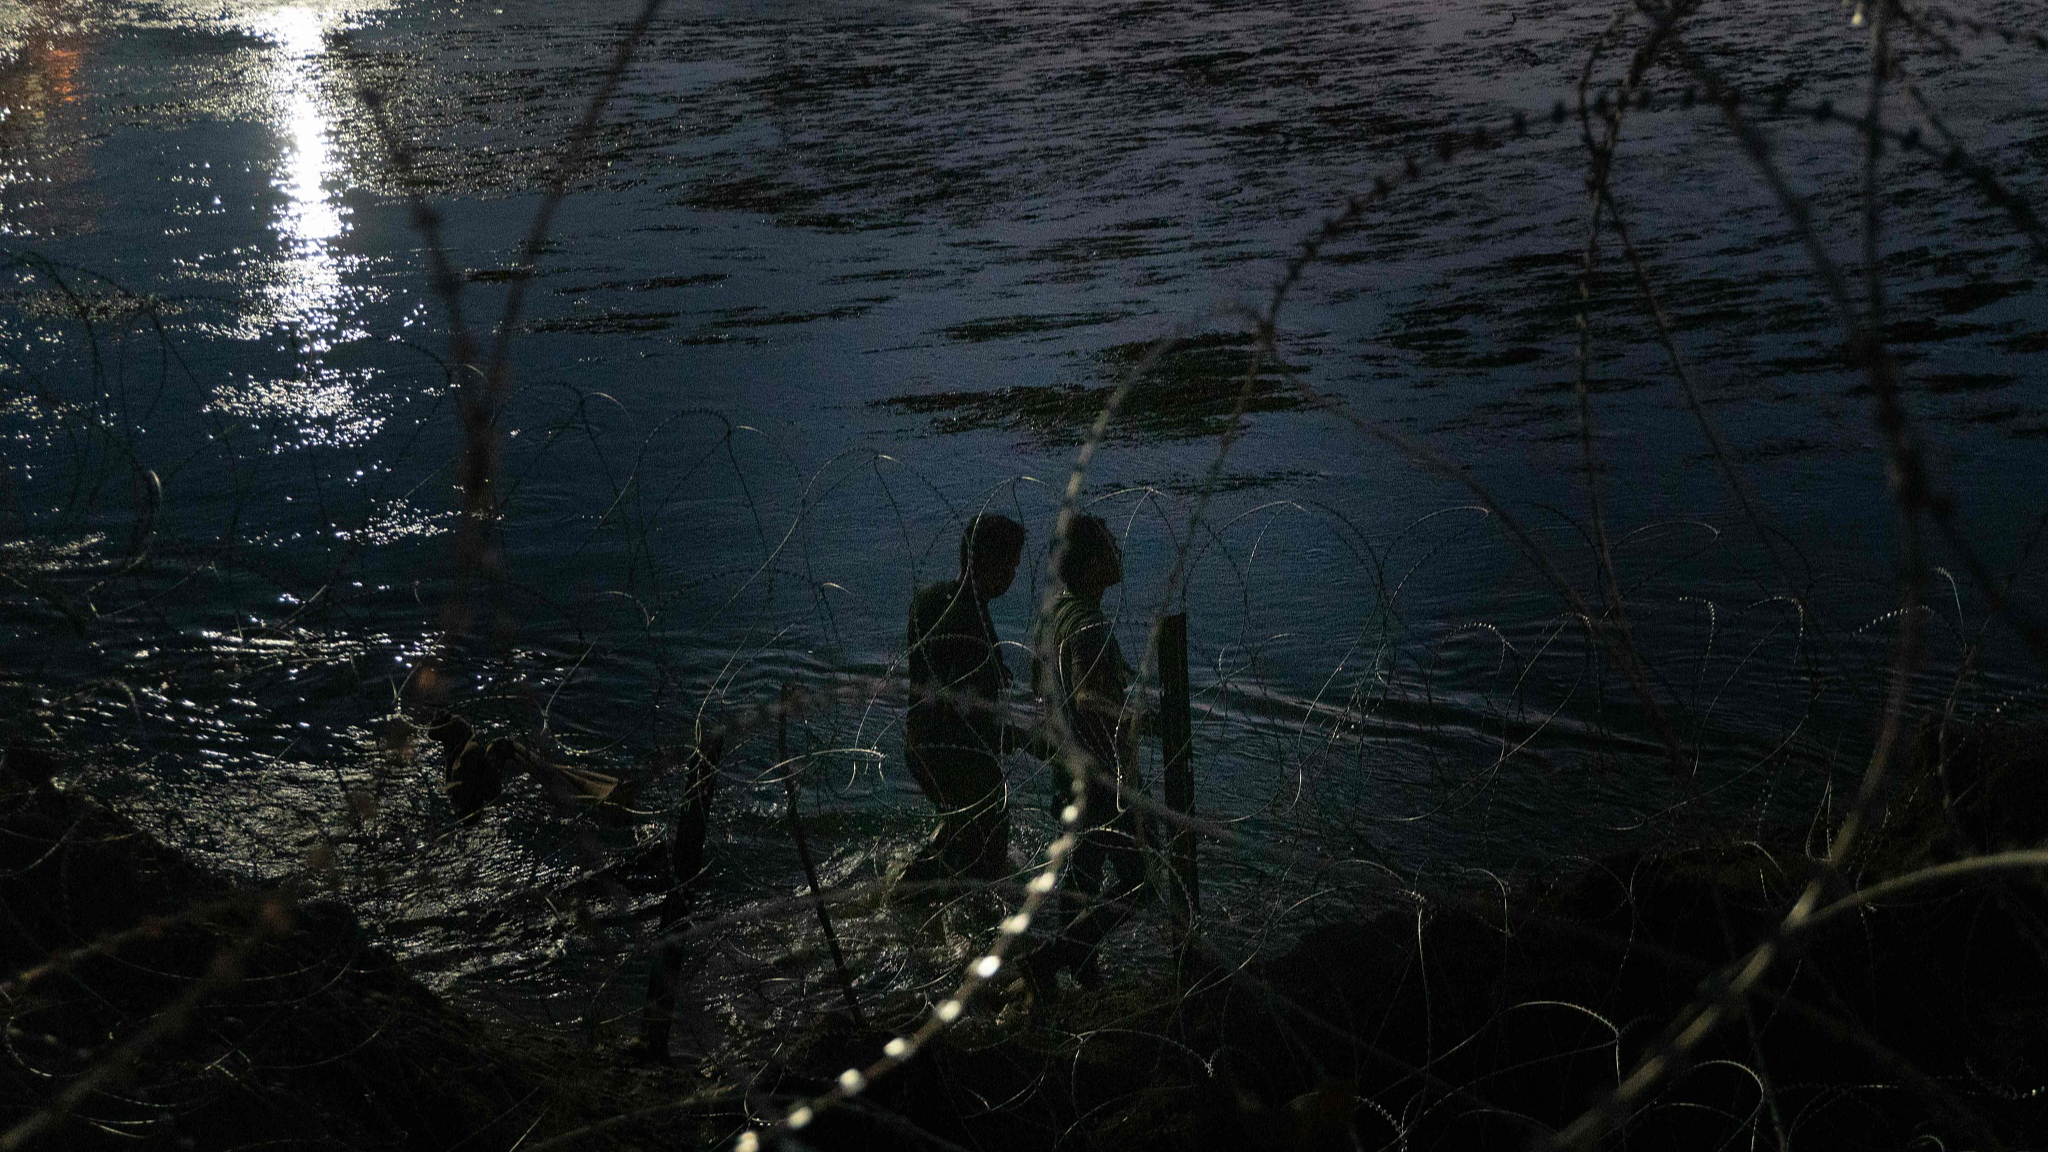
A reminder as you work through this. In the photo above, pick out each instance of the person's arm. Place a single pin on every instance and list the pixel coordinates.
(1034, 737)
(1127, 750)
(916, 657)
(1100, 683)
(1129, 717)
(1095, 669)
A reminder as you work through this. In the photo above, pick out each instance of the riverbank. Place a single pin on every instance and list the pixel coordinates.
(1495, 1021)
(150, 1004)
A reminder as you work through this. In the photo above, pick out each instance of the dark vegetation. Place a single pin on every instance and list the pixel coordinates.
(178, 1011)
(155, 1005)
(1453, 1024)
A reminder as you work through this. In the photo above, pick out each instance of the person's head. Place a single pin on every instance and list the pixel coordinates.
(1091, 562)
(989, 551)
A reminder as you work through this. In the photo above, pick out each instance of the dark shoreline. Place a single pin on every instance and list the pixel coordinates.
(1454, 1023)
(154, 1005)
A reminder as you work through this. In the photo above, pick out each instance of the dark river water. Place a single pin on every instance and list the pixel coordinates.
(839, 274)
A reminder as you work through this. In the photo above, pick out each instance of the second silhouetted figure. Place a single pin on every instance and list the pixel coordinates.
(1079, 670)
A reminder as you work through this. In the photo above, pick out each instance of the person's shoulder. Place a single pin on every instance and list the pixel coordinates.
(940, 592)
(938, 605)
(927, 608)
(1073, 617)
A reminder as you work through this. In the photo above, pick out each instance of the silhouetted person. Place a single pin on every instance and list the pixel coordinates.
(1079, 670)
(953, 737)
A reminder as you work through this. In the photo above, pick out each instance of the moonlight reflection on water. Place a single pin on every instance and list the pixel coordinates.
(311, 218)
(308, 291)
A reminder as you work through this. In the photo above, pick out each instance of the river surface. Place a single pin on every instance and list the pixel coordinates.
(837, 275)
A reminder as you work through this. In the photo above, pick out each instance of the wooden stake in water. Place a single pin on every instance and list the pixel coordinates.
(1176, 749)
(686, 869)
(803, 853)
